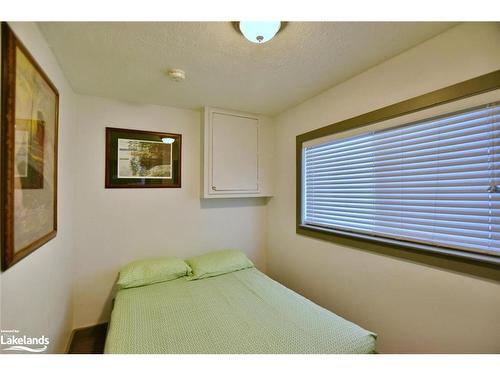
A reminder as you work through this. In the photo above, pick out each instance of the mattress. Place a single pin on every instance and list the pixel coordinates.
(238, 312)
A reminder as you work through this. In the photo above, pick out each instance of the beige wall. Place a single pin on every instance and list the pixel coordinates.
(116, 226)
(36, 293)
(414, 308)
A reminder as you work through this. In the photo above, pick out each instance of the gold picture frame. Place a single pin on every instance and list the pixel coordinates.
(29, 120)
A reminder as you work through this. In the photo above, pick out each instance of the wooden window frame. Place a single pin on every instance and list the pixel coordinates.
(462, 261)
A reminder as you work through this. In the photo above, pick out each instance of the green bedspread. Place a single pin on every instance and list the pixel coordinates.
(239, 312)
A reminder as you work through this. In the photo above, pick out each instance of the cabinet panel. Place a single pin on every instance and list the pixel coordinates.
(237, 154)
(234, 153)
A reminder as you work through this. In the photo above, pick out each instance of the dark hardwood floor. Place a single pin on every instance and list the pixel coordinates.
(89, 340)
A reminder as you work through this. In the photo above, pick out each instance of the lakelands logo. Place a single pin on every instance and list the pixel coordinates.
(11, 340)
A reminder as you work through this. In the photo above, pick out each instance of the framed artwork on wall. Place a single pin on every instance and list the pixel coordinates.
(29, 120)
(142, 159)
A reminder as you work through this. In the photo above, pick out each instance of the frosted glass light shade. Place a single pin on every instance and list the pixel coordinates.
(259, 31)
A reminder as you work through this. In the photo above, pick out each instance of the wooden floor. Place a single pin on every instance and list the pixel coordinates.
(89, 340)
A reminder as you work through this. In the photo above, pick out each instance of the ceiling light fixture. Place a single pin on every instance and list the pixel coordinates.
(259, 31)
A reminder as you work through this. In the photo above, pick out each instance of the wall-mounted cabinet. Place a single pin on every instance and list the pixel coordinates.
(236, 154)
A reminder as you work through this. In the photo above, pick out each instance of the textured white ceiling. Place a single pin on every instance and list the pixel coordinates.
(128, 61)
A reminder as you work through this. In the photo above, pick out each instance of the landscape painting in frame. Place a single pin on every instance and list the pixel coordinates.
(142, 159)
(30, 104)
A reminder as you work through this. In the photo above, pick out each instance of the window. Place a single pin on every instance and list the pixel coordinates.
(432, 183)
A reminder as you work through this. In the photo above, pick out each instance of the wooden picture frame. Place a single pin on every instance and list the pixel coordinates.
(142, 159)
(29, 121)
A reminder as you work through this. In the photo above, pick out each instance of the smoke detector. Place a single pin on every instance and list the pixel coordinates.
(176, 75)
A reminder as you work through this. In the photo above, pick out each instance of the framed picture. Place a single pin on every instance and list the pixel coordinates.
(30, 104)
(142, 159)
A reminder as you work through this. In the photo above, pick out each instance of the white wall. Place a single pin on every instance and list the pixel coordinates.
(413, 307)
(36, 293)
(116, 226)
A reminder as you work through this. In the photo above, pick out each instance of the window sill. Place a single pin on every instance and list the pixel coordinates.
(482, 265)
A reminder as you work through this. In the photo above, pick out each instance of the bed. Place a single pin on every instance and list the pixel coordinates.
(238, 312)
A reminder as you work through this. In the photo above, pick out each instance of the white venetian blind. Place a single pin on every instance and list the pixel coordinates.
(433, 182)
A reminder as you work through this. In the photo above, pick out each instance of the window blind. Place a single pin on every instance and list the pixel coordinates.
(433, 181)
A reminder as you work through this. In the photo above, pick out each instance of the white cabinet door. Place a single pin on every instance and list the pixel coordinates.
(234, 153)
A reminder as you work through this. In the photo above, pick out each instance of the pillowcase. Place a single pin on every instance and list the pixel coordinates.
(150, 271)
(217, 263)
